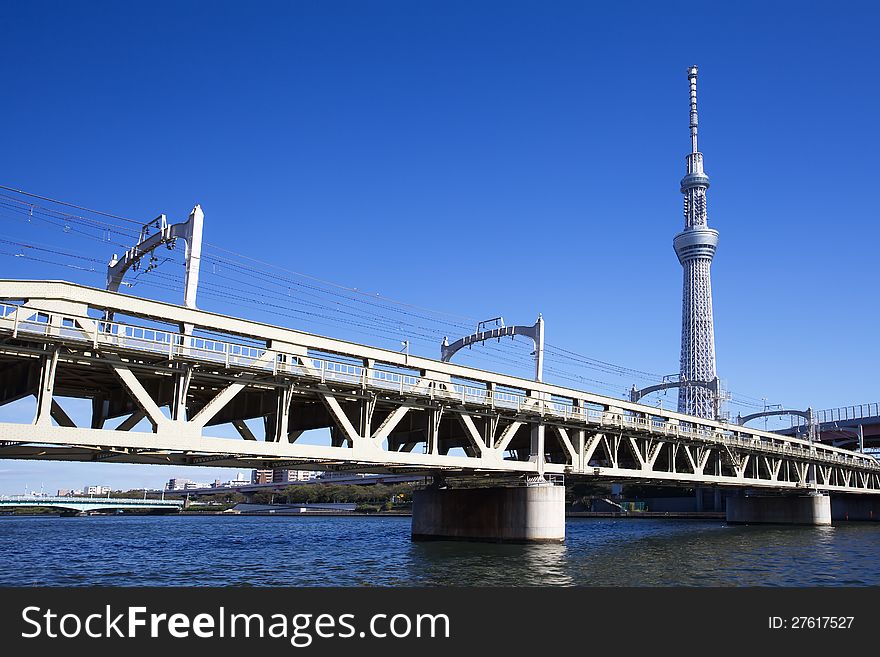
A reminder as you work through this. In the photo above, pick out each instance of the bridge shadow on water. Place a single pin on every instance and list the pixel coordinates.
(716, 554)
(663, 553)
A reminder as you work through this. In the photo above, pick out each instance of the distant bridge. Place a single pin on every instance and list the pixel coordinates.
(87, 504)
(853, 427)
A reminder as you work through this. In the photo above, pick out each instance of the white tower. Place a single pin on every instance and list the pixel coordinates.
(695, 248)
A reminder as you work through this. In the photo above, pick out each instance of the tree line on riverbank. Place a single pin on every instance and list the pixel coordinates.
(324, 493)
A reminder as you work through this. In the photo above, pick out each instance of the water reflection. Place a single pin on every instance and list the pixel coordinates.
(720, 555)
(548, 565)
(456, 563)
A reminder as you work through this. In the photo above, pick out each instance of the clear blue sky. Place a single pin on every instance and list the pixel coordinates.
(480, 158)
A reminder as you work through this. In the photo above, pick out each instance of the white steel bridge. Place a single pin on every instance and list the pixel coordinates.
(183, 372)
(88, 504)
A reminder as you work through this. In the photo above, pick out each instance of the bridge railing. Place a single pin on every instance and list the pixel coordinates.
(855, 412)
(176, 345)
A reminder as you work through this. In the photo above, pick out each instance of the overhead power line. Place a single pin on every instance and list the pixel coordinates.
(70, 205)
(308, 300)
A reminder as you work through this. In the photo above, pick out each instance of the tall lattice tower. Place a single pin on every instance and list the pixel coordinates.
(695, 248)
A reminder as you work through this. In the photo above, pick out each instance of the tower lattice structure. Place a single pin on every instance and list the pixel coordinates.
(695, 248)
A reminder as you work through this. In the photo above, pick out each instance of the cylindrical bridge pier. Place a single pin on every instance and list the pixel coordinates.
(523, 514)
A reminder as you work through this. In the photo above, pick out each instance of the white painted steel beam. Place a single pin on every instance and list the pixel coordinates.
(471, 432)
(390, 424)
(340, 418)
(566, 443)
(219, 402)
(46, 388)
(138, 392)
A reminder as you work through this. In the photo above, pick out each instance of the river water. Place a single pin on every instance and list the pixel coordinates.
(377, 551)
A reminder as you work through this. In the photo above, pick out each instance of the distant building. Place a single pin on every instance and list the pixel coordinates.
(261, 476)
(96, 490)
(65, 492)
(283, 475)
(239, 480)
(185, 484)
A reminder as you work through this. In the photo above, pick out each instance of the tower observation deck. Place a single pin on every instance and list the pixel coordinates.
(695, 248)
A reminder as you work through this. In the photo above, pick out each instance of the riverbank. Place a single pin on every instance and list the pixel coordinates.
(652, 515)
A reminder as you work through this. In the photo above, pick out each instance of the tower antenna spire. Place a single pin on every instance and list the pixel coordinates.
(692, 78)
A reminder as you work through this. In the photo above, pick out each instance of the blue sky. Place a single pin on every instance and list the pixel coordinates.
(477, 158)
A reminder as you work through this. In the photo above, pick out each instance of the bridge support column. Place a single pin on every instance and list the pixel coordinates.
(537, 446)
(181, 390)
(525, 514)
(779, 510)
(708, 499)
(46, 390)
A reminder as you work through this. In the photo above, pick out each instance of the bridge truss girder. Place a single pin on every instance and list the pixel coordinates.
(179, 389)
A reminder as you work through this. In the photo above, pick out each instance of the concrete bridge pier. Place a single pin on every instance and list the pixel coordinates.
(855, 507)
(808, 509)
(515, 514)
(708, 499)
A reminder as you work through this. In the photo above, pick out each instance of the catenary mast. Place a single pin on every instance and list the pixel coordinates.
(695, 248)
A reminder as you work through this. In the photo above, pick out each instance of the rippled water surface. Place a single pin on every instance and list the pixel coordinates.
(353, 551)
